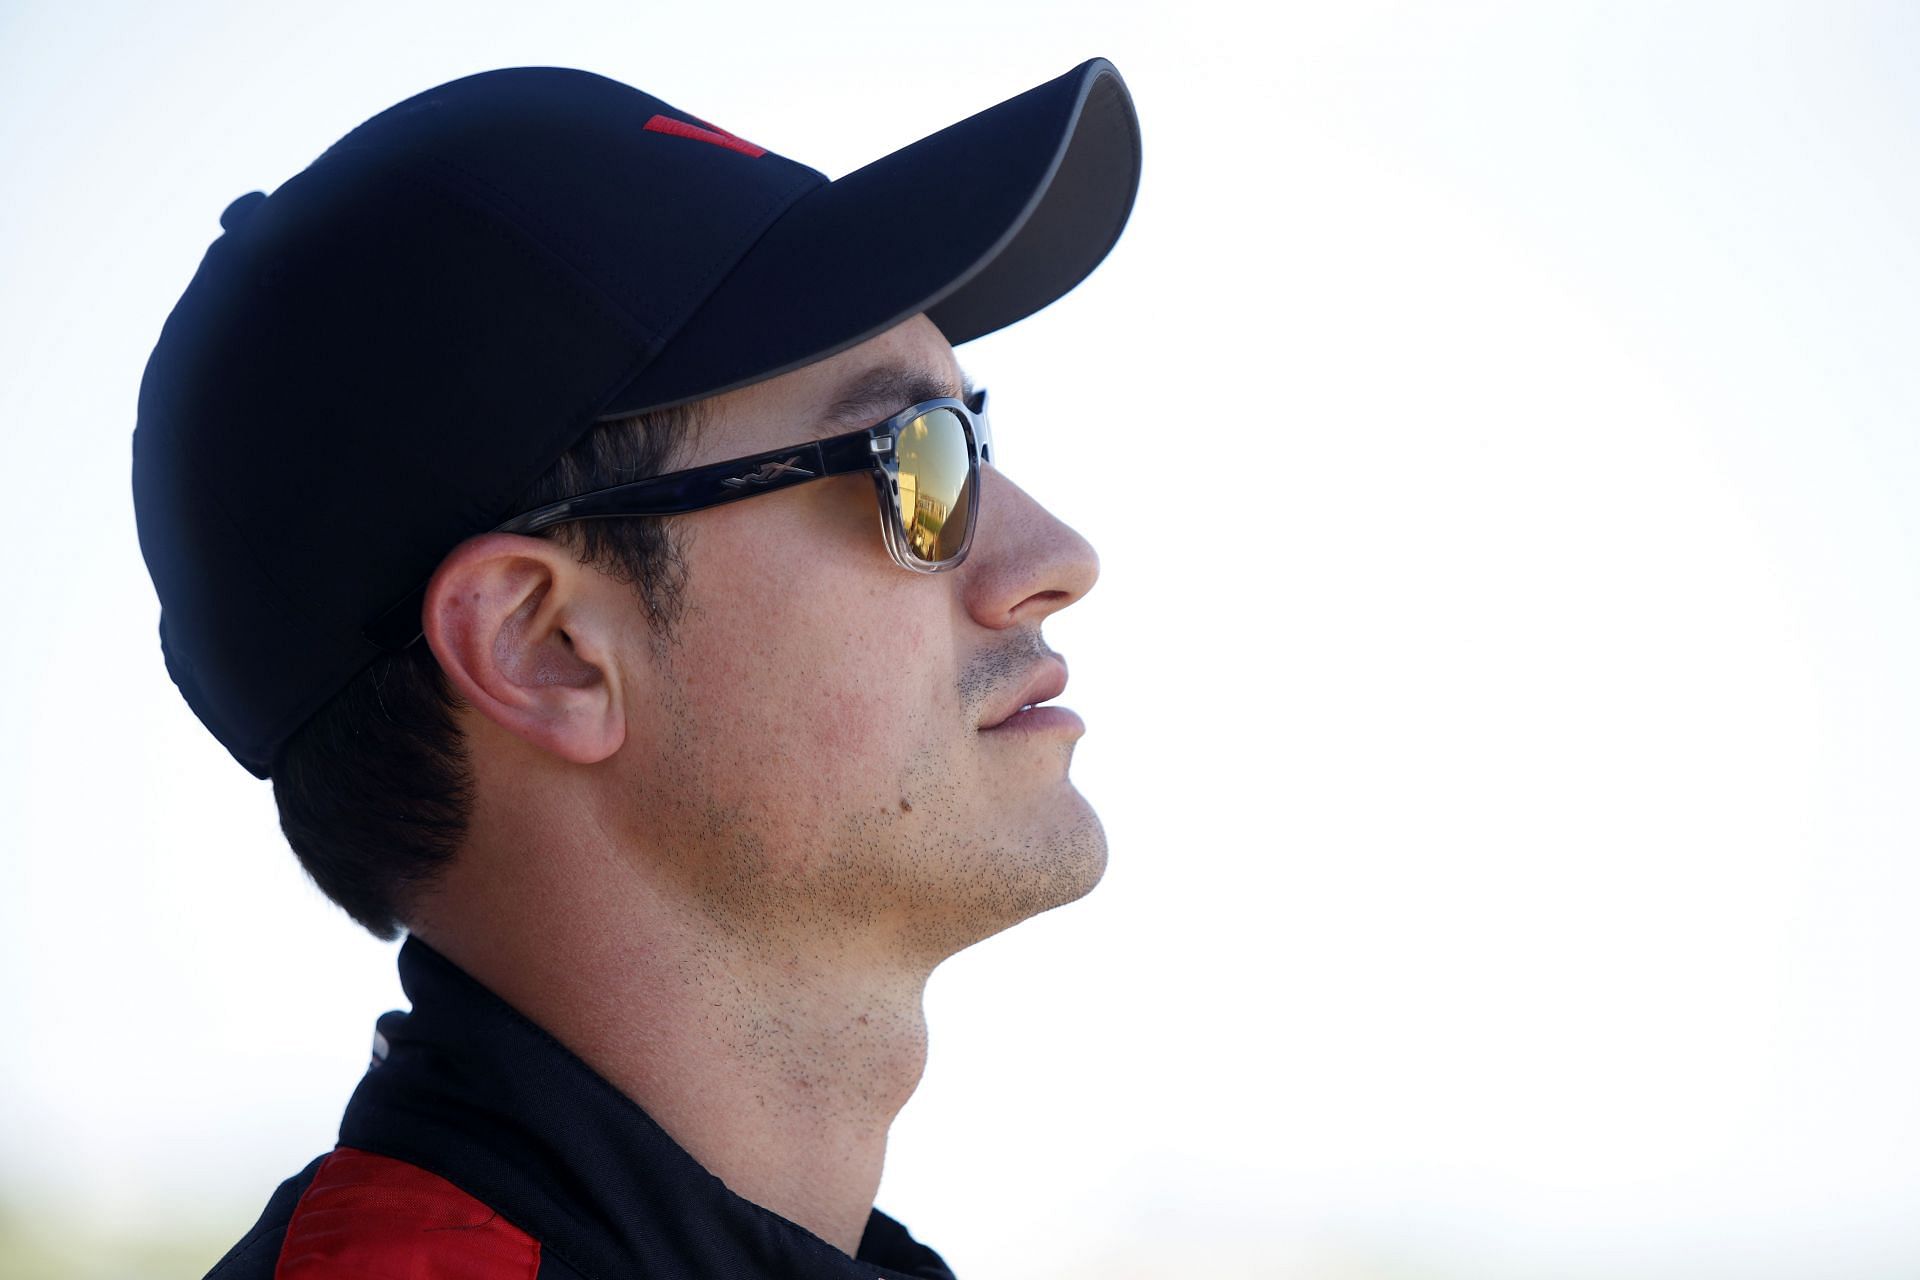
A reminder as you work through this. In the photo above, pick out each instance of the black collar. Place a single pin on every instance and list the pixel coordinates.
(471, 1090)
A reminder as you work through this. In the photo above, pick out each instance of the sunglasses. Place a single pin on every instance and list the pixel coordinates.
(924, 460)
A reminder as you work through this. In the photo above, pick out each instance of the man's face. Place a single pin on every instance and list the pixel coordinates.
(816, 745)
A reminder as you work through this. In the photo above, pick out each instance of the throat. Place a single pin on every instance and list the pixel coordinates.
(781, 1083)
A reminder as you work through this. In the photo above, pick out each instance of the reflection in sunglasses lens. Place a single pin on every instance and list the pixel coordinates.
(935, 488)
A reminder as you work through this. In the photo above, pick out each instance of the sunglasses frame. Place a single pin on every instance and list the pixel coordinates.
(873, 449)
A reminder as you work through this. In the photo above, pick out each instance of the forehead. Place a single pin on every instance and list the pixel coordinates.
(910, 362)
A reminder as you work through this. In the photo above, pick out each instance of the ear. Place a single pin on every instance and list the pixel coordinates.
(524, 636)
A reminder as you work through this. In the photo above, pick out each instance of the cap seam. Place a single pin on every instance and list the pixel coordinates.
(577, 421)
(531, 234)
(772, 212)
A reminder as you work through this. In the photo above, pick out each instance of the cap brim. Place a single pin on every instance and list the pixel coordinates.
(978, 225)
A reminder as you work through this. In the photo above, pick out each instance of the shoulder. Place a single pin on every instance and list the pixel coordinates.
(353, 1214)
(259, 1249)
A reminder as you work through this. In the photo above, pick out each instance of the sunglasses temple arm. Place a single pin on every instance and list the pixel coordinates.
(676, 494)
(692, 490)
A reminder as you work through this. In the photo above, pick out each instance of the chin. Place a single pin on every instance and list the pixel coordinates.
(1082, 858)
(1019, 877)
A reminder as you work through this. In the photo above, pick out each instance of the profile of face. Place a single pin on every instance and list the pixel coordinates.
(828, 747)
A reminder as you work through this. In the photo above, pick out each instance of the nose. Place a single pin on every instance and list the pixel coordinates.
(1024, 563)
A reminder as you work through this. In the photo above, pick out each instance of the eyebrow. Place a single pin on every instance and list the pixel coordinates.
(884, 391)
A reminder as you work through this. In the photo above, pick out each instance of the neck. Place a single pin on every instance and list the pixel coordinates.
(778, 1064)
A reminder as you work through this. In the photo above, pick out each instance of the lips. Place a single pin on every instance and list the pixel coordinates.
(1046, 681)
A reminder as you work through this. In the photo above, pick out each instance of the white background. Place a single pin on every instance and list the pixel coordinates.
(1499, 428)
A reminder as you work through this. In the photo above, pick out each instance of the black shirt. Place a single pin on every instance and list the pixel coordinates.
(471, 1101)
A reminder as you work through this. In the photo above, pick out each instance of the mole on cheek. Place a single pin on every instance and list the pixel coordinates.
(904, 806)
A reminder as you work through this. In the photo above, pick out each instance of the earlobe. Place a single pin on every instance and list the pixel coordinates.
(524, 638)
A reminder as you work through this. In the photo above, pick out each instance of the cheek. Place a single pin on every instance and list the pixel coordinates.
(806, 704)
(876, 687)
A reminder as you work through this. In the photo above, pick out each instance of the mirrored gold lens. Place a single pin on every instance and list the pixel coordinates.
(936, 491)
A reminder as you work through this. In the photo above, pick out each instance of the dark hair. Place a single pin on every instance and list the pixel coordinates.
(374, 791)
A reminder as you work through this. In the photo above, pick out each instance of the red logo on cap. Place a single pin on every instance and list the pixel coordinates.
(718, 137)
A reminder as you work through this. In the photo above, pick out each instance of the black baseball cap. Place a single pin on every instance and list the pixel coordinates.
(372, 363)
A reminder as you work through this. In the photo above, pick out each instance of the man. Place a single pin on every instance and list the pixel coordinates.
(508, 479)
